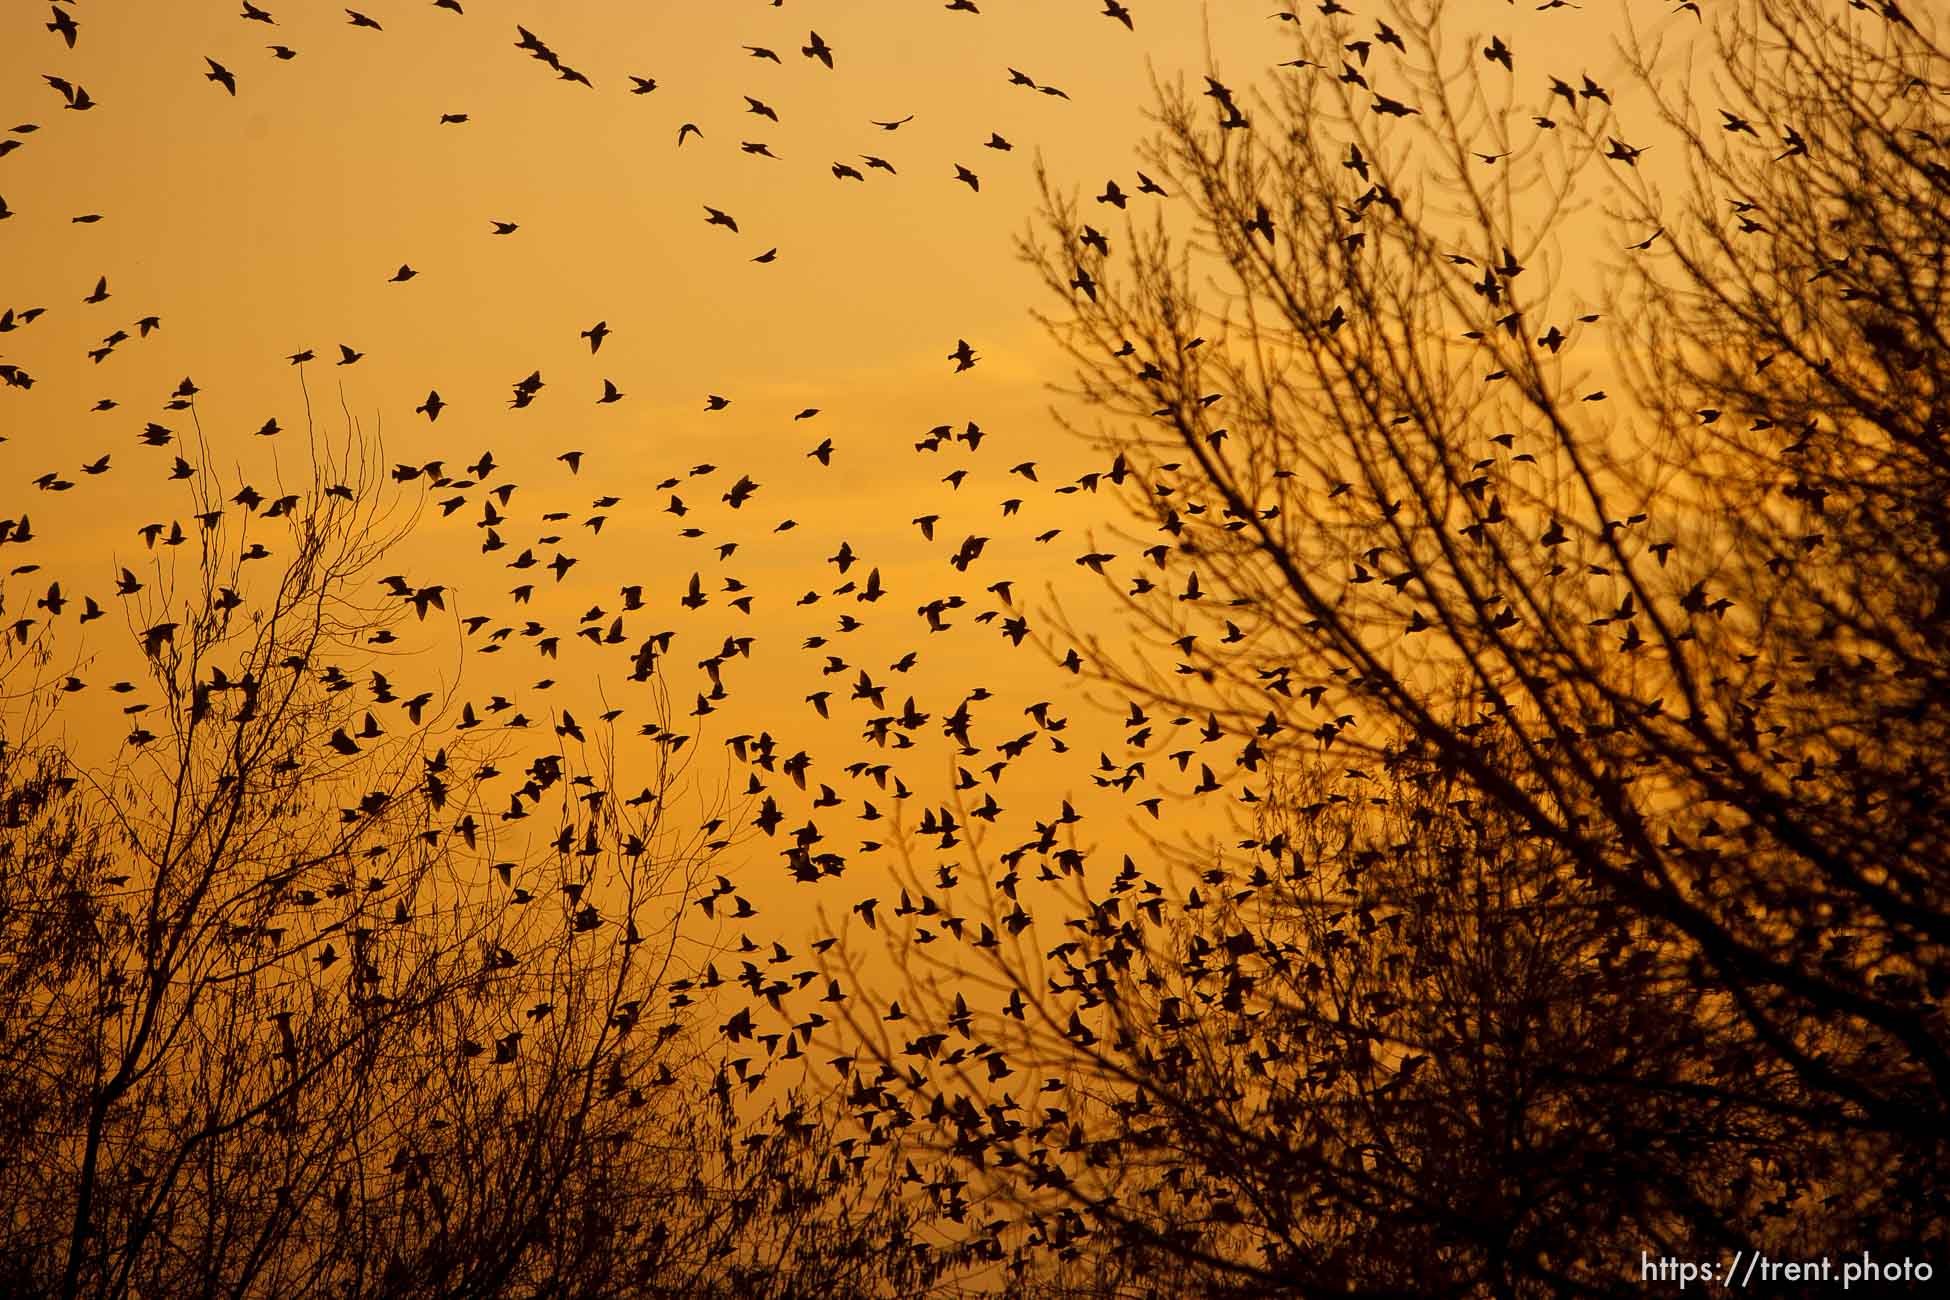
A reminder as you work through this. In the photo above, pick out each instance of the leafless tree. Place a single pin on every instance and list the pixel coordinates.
(1586, 748)
(293, 1009)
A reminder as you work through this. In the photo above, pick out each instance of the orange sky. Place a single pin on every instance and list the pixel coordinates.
(269, 222)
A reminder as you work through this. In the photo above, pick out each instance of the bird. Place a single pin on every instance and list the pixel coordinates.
(815, 48)
(346, 355)
(968, 178)
(1734, 122)
(76, 96)
(688, 129)
(894, 125)
(596, 334)
(642, 85)
(357, 19)
(221, 75)
(432, 407)
(714, 217)
(402, 275)
(504, 227)
(64, 26)
(282, 52)
(963, 356)
(761, 108)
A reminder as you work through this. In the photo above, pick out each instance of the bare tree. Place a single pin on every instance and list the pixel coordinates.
(1587, 752)
(295, 1010)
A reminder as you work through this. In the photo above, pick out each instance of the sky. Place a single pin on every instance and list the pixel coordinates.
(277, 219)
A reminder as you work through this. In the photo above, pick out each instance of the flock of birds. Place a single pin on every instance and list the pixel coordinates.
(818, 813)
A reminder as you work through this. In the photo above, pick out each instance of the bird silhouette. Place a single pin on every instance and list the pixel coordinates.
(64, 26)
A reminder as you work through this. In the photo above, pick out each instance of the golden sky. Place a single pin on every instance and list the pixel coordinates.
(275, 220)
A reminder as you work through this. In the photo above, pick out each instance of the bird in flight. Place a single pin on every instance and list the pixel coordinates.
(815, 48)
(1622, 152)
(64, 26)
(76, 96)
(963, 356)
(714, 217)
(221, 75)
(896, 124)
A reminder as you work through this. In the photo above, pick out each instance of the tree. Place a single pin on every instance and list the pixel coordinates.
(291, 1009)
(1587, 753)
